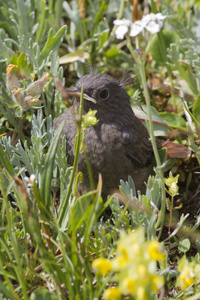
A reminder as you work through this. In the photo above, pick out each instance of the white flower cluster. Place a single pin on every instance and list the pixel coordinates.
(151, 22)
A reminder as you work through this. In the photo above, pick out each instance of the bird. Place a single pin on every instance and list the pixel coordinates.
(118, 145)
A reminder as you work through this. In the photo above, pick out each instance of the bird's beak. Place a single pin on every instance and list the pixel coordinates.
(76, 93)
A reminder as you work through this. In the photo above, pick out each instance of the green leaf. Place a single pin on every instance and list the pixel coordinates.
(43, 294)
(173, 120)
(184, 245)
(4, 160)
(159, 125)
(112, 51)
(24, 69)
(184, 69)
(196, 109)
(48, 167)
(73, 57)
(102, 37)
(169, 37)
(52, 43)
(8, 293)
(80, 211)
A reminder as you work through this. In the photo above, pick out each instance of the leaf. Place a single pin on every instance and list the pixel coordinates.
(24, 69)
(80, 211)
(79, 54)
(4, 160)
(48, 167)
(184, 245)
(102, 37)
(173, 120)
(112, 51)
(52, 43)
(196, 109)
(169, 37)
(159, 125)
(180, 65)
(8, 293)
(43, 294)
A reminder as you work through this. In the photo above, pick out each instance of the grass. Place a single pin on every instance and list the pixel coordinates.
(50, 236)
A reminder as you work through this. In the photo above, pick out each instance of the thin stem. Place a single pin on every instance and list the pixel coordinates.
(170, 220)
(147, 98)
(140, 63)
(75, 165)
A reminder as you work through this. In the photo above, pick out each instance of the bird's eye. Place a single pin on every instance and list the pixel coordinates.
(104, 93)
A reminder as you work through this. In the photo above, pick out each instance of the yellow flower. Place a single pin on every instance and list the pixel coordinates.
(157, 282)
(140, 294)
(123, 255)
(89, 119)
(154, 249)
(186, 278)
(102, 265)
(128, 286)
(171, 183)
(112, 293)
(134, 267)
(142, 273)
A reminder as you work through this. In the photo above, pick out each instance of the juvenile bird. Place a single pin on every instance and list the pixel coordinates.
(118, 145)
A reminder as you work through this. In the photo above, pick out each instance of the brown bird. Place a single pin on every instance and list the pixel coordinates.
(118, 145)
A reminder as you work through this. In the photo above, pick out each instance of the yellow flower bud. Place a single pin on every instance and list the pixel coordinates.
(140, 294)
(142, 273)
(35, 87)
(89, 119)
(102, 265)
(174, 188)
(157, 283)
(112, 294)
(123, 258)
(186, 278)
(12, 82)
(128, 286)
(155, 252)
(171, 183)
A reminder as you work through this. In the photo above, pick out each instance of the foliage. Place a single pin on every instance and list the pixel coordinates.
(51, 236)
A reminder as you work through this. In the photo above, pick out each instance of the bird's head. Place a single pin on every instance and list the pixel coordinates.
(101, 92)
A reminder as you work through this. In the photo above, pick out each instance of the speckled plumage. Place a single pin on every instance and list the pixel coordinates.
(118, 145)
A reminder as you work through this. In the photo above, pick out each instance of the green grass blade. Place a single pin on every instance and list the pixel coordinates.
(48, 168)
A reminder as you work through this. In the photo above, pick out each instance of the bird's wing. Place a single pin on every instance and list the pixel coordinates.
(138, 148)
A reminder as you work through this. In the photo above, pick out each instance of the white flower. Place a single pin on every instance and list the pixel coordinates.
(122, 29)
(151, 22)
(30, 180)
(136, 28)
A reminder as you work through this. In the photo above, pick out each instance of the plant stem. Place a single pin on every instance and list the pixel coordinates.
(170, 220)
(147, 98)
(140, 63)
(75, 165)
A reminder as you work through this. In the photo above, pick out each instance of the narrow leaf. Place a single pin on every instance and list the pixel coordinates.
(48, 167)
(52, 42)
